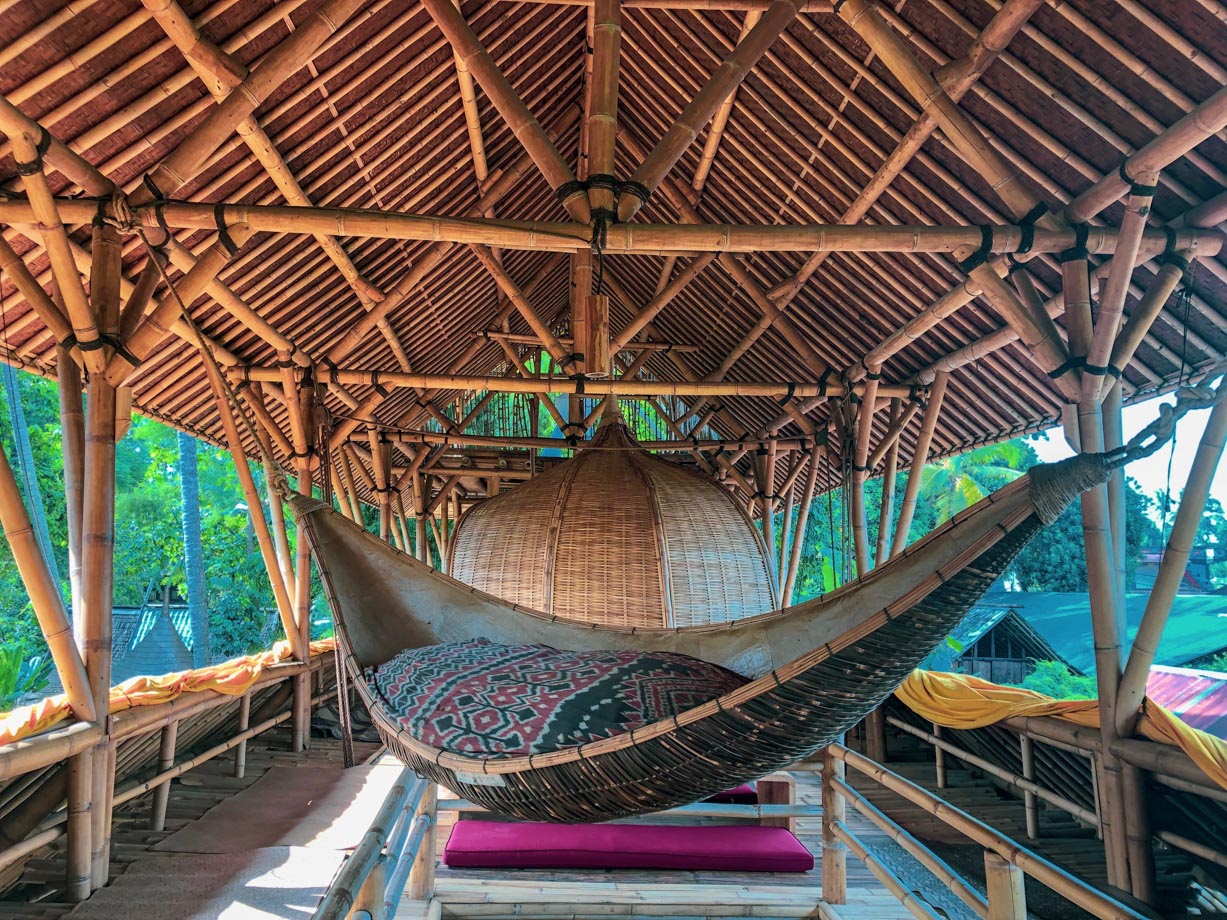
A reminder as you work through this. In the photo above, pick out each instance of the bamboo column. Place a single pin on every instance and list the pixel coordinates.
(419, 517)
(798, 540)
(166, 760)
(888, 486)
(727, 77)
(468, 49)
(1107, 629)
(603, 116)
(921, 455)
(80, 822)
(834, 811)
(1007, 899)
(1171, 569)
(860, 469)
(301, 729)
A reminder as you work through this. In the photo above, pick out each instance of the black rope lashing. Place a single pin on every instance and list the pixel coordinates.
(1078, 251)
(223, 234)
(569, 188)
(602, 181)
(1135, 187)
(1075, 362)
(788, 397)
(981, 255)
(41, 146)
(638, 189)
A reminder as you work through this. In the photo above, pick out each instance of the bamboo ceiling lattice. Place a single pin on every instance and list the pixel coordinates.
(393, 112)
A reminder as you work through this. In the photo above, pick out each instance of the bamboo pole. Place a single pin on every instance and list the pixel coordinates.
(957, 78)
(241, 103)
(629, 389)
(469, 50)
(603, 113)
(166, 760)
(834, 812)
(662, 299)
(1030, 803)
(919, 457)
(1147, 309)
(46, 214)
(701, 109)
(56, 153)
(1171, 569)
(44, 596)
(860, 469)
(889, 475)
(72, 437)
(472, 118)
(1107, 628)
(80, 818)
(27, 285)
(798, 540)
(1007, 899)
(526, 310)
(721, 119)
(158, 324)
(240, 750)
(256, 509)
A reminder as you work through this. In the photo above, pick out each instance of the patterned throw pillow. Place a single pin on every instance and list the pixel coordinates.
(478, 697)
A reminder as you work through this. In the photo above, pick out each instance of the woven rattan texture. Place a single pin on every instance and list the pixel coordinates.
(620, 538)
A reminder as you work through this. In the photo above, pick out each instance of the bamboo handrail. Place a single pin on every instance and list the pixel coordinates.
(883, 873)
(1089, 899)
(50, 747)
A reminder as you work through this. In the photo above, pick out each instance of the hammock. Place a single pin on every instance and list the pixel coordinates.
(809, 672)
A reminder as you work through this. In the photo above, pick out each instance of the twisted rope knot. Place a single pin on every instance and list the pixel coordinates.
(119, 212)
(1200, 395)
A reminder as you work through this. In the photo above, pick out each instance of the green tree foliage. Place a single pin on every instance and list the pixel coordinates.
(959, 482)
(1056, 559)
(1055, 679)
(149, 545)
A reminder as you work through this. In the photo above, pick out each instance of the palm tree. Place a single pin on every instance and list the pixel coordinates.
(193, 550)
(959, 482)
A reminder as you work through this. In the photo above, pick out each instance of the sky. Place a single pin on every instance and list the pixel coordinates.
(1152, 472)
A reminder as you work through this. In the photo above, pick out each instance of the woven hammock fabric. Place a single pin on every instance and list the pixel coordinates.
(482, 698)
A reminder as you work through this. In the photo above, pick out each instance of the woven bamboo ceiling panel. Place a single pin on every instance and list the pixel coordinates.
(617, 537)
(821, 131)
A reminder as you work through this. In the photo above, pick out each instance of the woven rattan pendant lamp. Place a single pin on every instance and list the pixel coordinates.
(619, 537)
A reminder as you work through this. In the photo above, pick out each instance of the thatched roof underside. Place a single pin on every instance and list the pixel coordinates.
(375, 119)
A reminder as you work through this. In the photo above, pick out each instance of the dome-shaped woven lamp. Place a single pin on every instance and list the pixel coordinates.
(619, 537)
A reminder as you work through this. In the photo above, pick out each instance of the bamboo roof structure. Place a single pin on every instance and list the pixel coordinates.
(485, 114)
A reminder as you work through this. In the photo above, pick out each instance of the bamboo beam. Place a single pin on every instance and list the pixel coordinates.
(1175, 559)
(44, 595)
(956, 78)
(591, 387)
(1112, 299)
(603, 114)
(472, 118)
(241, 103)
(568, 342)
(469, 50)
(721, 119)
(158, 324)
(1147, 310)
(526, 309)
(1206, 120)
(919, 457)
(860, 469)
(727, 77)
(13, 121)
(27, 285)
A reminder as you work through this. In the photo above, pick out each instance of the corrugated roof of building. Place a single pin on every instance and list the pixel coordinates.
(1198, 697)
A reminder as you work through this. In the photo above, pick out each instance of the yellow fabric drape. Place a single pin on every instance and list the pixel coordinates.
(964, 701)
(232, 678)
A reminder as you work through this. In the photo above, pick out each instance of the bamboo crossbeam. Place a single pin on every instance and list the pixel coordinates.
(721, 119)
(1206, 120)
(469, 50)
(702, 108)
(731, 6)
(649, 347)
(274, 68)
(622, 238)
(1171, 569)
(44, 595)
(588, 386)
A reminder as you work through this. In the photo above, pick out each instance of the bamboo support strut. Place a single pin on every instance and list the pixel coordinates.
(703, 107)
(1171, 569)
(919, 457)
(468, 49)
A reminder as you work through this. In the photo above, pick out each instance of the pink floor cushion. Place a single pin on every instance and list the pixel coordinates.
(745, 794)
(497, 845)
(485, 699)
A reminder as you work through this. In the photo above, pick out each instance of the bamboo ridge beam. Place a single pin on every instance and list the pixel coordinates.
(570, 385)
(686, 445)
(622, 238)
